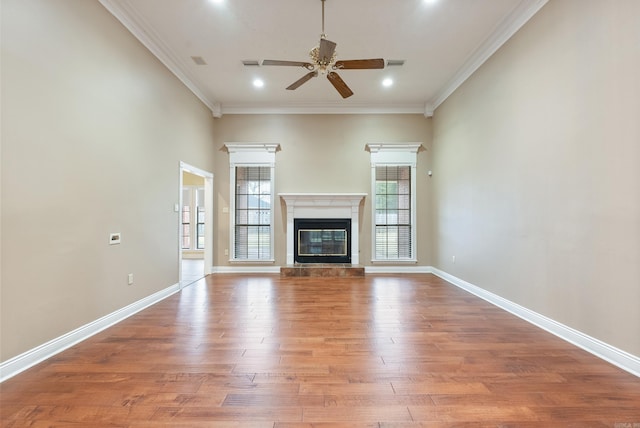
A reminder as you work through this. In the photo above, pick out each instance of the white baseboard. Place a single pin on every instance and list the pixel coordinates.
(613, 355)
(397, 269)
(40, 353)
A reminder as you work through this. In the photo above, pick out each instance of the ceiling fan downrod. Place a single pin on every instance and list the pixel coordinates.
(323, 35)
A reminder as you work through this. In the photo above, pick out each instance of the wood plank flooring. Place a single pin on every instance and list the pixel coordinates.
(267, 351)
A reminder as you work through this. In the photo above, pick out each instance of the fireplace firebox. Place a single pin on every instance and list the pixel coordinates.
(322, 240)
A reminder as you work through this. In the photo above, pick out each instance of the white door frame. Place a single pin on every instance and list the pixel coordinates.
(208, 218)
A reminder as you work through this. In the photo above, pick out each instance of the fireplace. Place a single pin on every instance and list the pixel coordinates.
(322, 240)
(327, 209)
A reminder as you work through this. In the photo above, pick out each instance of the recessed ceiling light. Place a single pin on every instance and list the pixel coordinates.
(387, 82)
(258, 83)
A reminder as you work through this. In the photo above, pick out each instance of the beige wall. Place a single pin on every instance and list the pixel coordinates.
(93, 131)
(323, 154)
(536, 170)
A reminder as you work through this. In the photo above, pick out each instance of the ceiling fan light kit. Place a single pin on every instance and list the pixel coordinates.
(324, 61)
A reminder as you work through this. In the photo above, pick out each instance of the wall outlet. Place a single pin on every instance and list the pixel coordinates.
(226, 251)
(130, 279)
(114, 238)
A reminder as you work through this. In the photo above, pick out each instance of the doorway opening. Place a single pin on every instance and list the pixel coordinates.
(195, 224)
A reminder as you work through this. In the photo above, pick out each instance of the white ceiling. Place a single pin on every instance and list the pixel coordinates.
(441, 41)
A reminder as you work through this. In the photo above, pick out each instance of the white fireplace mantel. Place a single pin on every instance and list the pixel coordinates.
(324, 205)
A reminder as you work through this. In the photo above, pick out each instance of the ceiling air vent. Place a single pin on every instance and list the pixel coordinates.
(199, 60)
(395, 62)
(250, 63)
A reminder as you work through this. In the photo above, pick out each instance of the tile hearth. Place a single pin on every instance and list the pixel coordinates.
(322, 269)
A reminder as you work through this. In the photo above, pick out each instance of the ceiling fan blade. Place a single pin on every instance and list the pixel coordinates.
(339, 84)
(327, 48)
(306, 65)
(302, 80)
(359, 64)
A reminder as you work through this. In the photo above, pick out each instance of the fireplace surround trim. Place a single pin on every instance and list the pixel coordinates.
(323, 205)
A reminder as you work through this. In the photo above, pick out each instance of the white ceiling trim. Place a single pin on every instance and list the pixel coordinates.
(324, 108)
(507, 28)
(143, 31)
(135, 23)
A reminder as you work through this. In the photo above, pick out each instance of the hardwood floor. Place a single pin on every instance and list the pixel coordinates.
(378, 351)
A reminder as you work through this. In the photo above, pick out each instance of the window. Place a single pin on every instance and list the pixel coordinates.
(252, 169)
(186, 219)
(393, 212)
(192, 217)
(253, 213)
(200, 217)
(393, 178)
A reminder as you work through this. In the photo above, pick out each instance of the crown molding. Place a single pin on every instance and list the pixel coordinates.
(133, 21)
(520, 15)
(323, 108)
(428, 110)
(125, 12)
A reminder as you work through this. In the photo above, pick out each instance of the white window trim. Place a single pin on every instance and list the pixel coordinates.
(394, 154)
(250, 154)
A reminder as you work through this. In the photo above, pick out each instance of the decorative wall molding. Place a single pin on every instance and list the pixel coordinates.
(40, 353)
(247, 153)
(393, 153)
(613, 355)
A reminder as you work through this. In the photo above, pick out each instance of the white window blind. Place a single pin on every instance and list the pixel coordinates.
(253, 213)
(393, 212)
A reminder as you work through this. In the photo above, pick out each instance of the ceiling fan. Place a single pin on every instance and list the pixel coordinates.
(323, 61)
